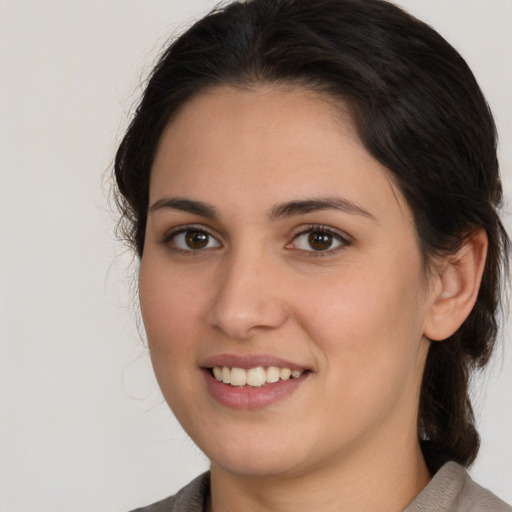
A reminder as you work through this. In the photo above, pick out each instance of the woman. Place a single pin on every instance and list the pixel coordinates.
(312, 189)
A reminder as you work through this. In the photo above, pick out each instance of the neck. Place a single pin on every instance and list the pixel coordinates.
(377, 481)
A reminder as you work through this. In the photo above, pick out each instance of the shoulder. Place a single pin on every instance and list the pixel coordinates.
(190, 498)
(452, 490)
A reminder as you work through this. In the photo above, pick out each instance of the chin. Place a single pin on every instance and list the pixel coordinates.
(261, 467)
(253, 458)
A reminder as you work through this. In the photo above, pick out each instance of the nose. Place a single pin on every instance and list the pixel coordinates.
(246, 302)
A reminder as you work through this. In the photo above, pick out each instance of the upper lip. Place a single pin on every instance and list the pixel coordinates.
(249, 361)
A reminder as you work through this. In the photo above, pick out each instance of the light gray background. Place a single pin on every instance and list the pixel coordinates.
(82, 424)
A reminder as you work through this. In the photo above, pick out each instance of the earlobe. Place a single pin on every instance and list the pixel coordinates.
(456, 287)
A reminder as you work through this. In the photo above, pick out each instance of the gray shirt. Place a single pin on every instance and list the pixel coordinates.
(450, 490)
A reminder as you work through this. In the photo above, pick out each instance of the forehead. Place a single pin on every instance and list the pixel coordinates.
(252, 116)
(267, 145)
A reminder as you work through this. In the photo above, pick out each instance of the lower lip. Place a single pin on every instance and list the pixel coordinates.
(251, 397)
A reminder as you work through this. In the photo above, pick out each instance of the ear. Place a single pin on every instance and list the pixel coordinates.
(455, 287)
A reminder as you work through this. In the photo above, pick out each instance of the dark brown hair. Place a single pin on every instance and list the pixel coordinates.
(418, 110)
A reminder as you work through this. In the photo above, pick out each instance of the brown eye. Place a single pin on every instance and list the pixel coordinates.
(192, 240)
(320, 240)
(196, 239)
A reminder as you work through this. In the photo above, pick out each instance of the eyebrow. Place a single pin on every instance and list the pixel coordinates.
(278, 212)
(185, 205)
(299, 207)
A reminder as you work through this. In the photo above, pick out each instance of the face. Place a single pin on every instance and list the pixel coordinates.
(281, 285)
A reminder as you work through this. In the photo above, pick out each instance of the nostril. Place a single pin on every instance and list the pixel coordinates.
(242, 318)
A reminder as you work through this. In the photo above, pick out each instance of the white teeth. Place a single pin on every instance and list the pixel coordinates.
(254, 377)
(238, 377)
(217, 372)
(226, 375)
(272, 374)
(285, 373)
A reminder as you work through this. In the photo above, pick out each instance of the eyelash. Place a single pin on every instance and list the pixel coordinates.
(170, 237)
(336, 236)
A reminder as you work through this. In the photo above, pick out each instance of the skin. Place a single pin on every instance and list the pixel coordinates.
(355, 315)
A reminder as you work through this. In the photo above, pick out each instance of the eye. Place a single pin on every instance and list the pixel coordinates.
(192, 239)
(317, 239)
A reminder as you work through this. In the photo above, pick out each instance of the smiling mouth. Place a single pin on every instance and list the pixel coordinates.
(253, 377)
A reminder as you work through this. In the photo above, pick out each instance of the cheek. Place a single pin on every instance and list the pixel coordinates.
(367, 324)
(358, 307)
(171, 311)
(371, 345)
(170, 307)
